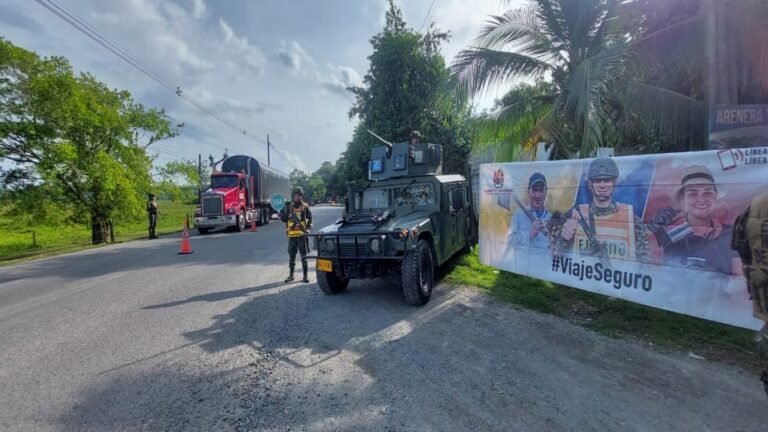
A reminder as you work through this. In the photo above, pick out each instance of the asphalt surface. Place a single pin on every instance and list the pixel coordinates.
(136, 337)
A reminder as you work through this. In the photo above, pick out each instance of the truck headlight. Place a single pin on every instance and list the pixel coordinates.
(376, 245)
(330, 246)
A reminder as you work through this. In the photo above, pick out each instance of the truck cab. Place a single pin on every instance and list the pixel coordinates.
(405, 221)
(239, 194)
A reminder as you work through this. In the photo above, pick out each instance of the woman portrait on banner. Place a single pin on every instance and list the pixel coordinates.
(697, 235)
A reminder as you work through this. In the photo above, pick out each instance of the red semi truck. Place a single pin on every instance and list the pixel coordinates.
(239, 194)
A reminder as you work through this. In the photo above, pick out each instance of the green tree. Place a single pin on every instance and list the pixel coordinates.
(331, 181)
(406, 88)
(76, 135)
(301, 179)
(583, 49)
(180, 179)
(316, 188)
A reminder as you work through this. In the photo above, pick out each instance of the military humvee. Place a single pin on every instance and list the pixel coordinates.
(404, 222)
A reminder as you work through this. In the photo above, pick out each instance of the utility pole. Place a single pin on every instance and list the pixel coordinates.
(268, 164)
(199, 176)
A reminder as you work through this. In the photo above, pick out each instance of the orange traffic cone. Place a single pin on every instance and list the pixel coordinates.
(186, 248)
(253, 225)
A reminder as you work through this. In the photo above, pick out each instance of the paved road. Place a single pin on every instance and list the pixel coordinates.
(135, 337)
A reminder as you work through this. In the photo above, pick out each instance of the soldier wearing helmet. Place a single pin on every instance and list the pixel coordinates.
(415, 137)
(750, 240)
(605, 227)
(298, 220)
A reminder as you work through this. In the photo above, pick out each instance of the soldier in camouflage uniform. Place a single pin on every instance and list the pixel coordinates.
(298, 220)
(603, 227)
(152, 212)
(750, 240)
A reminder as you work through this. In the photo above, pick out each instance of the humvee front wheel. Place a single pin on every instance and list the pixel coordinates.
(330, 282)
(417, 275)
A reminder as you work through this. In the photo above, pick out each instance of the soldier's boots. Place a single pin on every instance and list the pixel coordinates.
(306, 279)
(290, 276)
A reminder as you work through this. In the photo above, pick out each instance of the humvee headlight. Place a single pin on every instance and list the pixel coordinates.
(330, 246)
(376, 245)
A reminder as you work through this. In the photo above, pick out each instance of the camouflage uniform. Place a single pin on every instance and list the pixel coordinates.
(298, 220)
(152, 212)
(750, 240)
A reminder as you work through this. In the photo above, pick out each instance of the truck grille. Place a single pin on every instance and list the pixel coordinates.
(213, 205)
(348, 249)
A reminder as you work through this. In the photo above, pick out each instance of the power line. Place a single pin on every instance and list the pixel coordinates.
(429, 11)
(81, 25)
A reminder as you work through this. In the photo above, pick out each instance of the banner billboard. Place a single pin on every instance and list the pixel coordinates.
(651, 229)
(738, 126)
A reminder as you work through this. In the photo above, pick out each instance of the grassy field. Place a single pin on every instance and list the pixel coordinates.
(17, 239)
(609, 315)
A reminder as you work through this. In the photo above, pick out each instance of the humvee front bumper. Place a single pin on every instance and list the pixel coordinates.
(361, 248)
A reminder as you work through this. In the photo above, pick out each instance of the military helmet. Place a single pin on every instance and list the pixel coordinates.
(298, 190)
(603, 167)
(416, 134)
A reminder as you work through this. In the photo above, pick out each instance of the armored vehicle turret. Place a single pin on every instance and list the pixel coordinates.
(406, 220)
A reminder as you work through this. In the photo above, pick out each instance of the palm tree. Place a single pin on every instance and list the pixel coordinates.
(585, 49)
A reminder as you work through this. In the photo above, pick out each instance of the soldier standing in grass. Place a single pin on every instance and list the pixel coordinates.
(750, 240)
(152, 211)
(298, 220)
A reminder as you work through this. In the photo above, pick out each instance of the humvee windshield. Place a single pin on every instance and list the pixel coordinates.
(375, 199)
(416, 195)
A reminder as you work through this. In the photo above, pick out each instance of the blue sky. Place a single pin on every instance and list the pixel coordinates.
(277, 67)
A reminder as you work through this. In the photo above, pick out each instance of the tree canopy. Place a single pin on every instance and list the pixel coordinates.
(621, 73)
(406, 88)
(73, 135)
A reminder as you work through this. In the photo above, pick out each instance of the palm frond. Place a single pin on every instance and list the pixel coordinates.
(518, 30)
(588, 88)
(514, 130)
(674, 47)
(479, 68)
(677, 116)
(550, 14)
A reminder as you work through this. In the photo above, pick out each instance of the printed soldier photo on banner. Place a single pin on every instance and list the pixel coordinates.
(630, 227)
(603, 227)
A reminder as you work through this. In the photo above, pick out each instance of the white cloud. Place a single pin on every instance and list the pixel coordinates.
(199, 9)
(339, 80)
(154, 32)
(294, 56)
(226, 105)
(295, 161)
(246, 56)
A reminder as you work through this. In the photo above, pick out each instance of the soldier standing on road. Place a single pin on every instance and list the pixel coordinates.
(298, 219)
(152, 211)
(750, 240)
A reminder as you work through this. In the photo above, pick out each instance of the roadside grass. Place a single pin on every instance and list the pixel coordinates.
(610, 315)
(16, 241)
